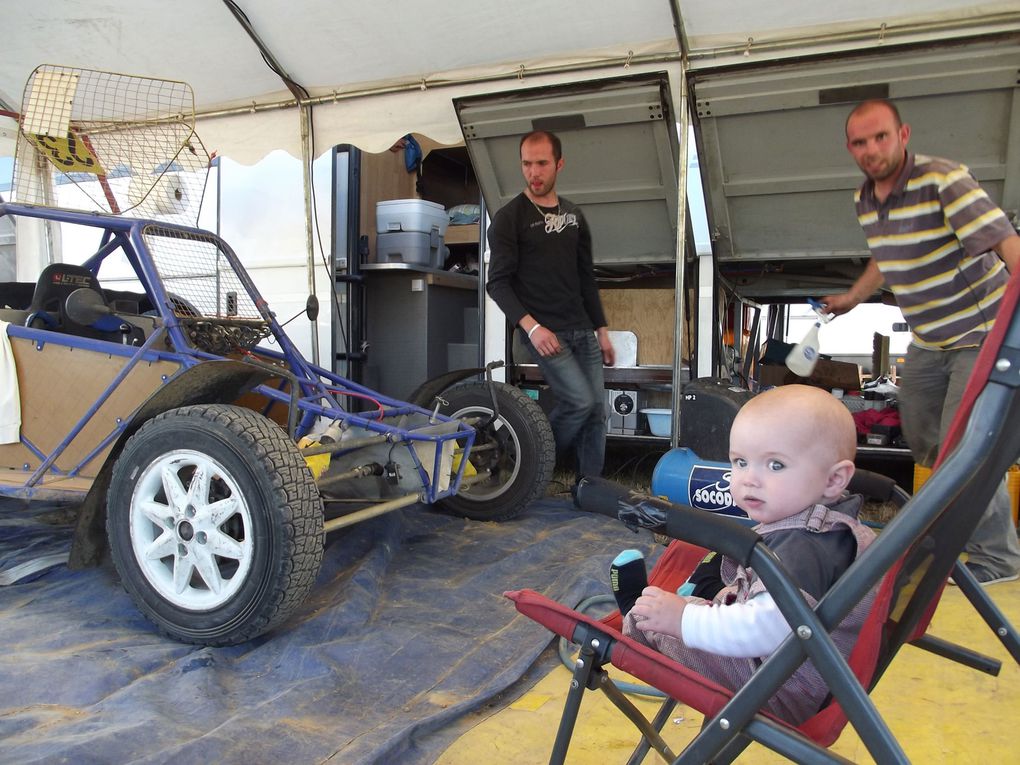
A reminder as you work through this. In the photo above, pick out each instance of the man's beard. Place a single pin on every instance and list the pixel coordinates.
(888, 170)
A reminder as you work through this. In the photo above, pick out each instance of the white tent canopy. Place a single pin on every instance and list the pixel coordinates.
(376, 71)
(369, 73)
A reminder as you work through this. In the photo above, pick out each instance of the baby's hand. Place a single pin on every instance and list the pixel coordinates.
(659, 611)
(726, 595)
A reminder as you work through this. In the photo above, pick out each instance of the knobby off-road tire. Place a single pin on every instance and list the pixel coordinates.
(215, 524)
(522, 462)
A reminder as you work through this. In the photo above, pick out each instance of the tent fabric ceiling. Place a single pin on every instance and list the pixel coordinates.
(377, 57)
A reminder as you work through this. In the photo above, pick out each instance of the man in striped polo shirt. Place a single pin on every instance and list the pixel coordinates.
(946, 251)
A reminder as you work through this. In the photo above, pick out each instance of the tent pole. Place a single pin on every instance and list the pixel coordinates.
(306, 166)
(680, 293)
(681, 231)
(305, 115)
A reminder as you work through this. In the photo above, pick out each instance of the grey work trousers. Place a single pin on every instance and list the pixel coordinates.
(931, 388)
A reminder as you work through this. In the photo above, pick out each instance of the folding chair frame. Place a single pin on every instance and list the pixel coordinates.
(912, 557)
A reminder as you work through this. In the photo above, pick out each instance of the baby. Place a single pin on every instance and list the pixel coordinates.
(791, 450)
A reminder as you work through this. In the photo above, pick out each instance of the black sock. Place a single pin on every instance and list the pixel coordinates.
(627, 577)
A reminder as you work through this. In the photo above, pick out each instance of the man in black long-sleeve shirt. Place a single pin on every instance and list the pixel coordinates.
(541, 276)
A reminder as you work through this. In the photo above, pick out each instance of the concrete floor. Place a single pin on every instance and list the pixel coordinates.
(940, 711)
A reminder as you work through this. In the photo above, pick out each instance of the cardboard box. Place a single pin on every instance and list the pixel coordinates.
(827, 374)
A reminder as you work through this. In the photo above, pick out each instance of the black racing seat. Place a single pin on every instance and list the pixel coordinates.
(48, 307)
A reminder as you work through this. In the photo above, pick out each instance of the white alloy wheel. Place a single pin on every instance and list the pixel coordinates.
(191, 530)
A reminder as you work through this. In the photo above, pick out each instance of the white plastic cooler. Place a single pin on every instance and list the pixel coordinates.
(410, 215)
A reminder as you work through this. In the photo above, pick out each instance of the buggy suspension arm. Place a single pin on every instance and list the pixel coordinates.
(394, 504)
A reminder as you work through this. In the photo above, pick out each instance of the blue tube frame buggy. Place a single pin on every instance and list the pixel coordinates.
(203, 447)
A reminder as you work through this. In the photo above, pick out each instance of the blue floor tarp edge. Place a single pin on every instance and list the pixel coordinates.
(405, 632)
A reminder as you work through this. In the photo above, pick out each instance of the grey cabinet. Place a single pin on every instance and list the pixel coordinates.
(420, 323)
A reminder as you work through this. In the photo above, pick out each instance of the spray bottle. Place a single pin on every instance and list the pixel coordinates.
(802, 359)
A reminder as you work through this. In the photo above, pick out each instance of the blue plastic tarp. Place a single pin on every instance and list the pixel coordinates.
(404, 633)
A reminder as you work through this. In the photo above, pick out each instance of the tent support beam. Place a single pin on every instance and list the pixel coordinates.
(403, 87)
(296, 89)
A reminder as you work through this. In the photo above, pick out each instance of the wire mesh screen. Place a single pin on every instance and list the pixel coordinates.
(105, 142)
(198, 276)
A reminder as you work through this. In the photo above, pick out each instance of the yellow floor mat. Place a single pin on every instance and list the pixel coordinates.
(940, 711)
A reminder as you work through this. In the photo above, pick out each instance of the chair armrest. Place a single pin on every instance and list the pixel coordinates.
(716, 532)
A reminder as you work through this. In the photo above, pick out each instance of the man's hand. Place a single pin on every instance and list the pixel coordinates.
(608, 352)
(838, 305)
(545, 341)
(862, 289)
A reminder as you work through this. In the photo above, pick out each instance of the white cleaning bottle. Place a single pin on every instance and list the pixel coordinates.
(802, 359)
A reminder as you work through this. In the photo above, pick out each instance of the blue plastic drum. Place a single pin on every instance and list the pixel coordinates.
(682, 477)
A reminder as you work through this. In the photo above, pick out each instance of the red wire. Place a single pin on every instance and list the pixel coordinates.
(352, 394)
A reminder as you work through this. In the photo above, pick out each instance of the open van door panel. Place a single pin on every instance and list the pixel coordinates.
(779, 181)
(621, 151)
(776, 175)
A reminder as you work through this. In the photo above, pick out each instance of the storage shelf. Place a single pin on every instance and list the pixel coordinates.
(431, 275)
(616, 376)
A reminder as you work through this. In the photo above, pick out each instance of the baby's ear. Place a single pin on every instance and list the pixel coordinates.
(839, 478)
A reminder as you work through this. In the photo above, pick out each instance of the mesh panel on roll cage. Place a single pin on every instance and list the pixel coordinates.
(204, 291)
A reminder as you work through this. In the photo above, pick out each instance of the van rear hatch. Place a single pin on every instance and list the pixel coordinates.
(779, 181)
(777, 178)
(620, 150)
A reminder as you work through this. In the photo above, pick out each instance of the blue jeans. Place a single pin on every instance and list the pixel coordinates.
(930, 392)
(575, 377)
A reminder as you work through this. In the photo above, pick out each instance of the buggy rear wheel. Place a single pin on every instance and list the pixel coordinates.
(215, 524)
(519, 451)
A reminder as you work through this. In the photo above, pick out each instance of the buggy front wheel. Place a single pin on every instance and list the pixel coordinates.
(215, 524)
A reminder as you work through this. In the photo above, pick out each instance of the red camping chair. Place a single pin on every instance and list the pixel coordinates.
(909, 563)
